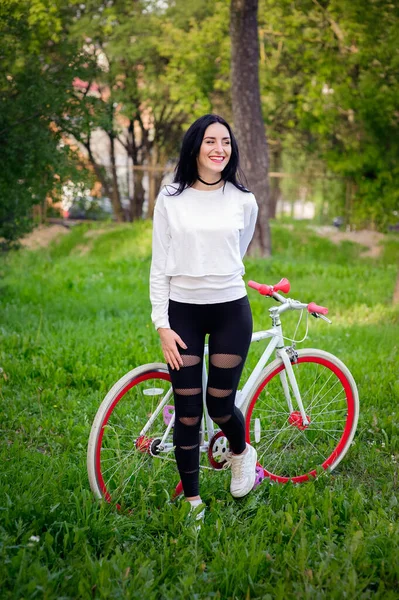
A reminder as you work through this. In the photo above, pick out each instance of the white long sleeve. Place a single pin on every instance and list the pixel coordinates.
(246, 234)
(159, 282)
(199, 241)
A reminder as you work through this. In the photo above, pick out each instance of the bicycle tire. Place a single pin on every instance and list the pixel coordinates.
(288, 451)
(119, 468)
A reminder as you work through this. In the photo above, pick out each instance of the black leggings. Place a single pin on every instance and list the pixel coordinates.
(229, 325)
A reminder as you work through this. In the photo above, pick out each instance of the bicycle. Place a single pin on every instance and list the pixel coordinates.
(301, 413)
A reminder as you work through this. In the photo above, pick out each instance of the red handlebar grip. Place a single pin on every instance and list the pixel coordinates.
(314, 308)
(282, 286)
(267, 290)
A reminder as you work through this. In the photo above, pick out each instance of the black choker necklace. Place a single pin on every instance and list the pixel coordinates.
(206, 183)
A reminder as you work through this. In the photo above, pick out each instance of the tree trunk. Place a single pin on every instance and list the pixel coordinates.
(136, 153)
(136, 203)
(115, 198)
(247, 113)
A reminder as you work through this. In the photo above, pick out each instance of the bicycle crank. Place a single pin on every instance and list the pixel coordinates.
(148, 445)
(217, 450)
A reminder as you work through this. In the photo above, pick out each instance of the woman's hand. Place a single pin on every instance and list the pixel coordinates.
(169, 341)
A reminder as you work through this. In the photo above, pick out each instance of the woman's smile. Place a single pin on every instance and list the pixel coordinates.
(217, 159)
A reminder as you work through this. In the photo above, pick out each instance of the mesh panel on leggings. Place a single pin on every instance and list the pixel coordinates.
(226, 361)
(189, 360)
(189, 421)
(188, 391)
(216, 393)
(221, 420)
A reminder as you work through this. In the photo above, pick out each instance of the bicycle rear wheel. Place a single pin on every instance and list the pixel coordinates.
(123, 461)
(287, 449)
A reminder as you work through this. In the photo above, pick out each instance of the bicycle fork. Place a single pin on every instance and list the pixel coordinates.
(286, 354)
(294, 386)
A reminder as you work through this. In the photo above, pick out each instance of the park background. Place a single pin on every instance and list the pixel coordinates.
(95, 97)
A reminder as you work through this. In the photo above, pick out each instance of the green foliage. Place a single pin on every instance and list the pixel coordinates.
(128, 39)
(330, 79)
(38, 66)
(334, 537)
(197, 57)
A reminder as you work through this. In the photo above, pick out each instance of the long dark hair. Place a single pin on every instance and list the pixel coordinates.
(186, 173)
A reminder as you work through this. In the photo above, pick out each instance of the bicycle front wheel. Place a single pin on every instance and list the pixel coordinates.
(124, 457)
(289, 450)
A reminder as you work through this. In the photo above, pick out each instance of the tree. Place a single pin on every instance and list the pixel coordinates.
(247, 112)
(141, 116)
(329, 82)
(356, 119)
(38, 64)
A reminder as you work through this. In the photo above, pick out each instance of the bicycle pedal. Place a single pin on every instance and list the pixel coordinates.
(260, 476)
(167, 413)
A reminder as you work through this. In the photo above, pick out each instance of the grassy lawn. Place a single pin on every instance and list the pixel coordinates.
(74, 318)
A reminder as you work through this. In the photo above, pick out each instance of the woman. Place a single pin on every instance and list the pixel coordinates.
(203, 224)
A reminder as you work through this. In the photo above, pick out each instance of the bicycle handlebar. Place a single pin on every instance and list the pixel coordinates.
(284, 286)
(267, 290)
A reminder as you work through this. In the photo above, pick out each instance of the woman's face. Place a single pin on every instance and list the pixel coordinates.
(215, 151)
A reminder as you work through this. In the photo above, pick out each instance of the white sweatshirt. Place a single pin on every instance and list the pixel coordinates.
(199, 241)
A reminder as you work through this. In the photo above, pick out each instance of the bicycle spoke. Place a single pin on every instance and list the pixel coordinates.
(270, 432)
(313, 385)
(327, 432)
(331, 411)
(335, 423)
(312, 406)
(337, 410)
(273, 438)
(273, 412)
(328, 404)
(309, 442)
(120, 462)
(119, 489)
(315, 381)
(281, 454)
(277, 402)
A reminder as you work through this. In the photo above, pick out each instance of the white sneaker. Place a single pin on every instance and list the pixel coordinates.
(199, 515)
(243, 471)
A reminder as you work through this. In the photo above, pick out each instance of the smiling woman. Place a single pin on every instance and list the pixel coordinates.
(203, 224)
(214, 154)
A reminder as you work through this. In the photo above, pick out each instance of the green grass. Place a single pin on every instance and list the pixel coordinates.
(74, 318)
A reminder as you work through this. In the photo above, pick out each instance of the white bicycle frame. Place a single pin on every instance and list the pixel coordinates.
(242, 396)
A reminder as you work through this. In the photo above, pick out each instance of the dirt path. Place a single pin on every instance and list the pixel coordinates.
(370, 239)
(42, 236)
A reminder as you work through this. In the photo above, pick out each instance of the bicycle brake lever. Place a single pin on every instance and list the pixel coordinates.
(318, 316)
(325, 319)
